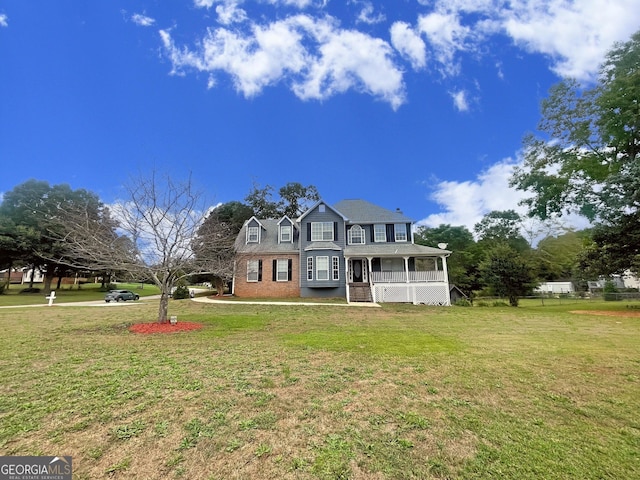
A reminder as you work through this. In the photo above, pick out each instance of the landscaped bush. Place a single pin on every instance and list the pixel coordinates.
(181, 292)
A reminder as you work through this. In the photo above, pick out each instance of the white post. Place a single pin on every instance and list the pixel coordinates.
(51, 297)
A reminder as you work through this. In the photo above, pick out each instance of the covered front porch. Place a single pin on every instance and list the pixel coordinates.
(407, 274)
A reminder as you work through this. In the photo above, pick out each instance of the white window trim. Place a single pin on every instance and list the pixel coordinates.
(335, 268)
(379, 236)
(321, 228)
(396, 231)
(362, 235)
(252, 271)
(319, 261)
(285, 262)
(257, 234)
(290, 233)
(310, 268)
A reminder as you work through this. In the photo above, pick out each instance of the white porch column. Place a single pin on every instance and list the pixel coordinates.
(406, 269)
(446, 278)
(371, 286)
(346, 277)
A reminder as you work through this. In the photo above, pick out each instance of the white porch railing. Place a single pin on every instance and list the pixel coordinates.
(401, 277)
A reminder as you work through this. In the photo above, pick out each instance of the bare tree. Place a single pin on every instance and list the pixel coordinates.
(156, 225)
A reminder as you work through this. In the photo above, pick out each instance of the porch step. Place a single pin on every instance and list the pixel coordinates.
(360, 292)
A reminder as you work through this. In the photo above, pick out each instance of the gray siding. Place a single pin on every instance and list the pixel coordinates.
(334, 248)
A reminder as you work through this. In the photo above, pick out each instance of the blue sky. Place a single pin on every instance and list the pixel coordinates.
(411, 104)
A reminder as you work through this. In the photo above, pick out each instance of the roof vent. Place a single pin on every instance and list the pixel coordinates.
(398, 211)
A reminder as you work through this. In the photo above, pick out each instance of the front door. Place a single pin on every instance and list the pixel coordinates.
(357, 270)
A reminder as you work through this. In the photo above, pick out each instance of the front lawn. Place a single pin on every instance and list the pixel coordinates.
(69, 293)
(325, 392)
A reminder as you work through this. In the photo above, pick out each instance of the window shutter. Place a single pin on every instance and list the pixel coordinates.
(289, 269)
(373, 233)
(391, 235)
(259, 270)
(335, 231)
(309, 232)
(274, 269)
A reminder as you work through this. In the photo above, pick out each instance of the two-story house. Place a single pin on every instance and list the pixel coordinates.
(354, 249)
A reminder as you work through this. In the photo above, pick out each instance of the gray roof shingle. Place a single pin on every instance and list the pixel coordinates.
(361, 211)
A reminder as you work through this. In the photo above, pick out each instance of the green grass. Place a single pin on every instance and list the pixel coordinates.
(326, 392)
(68, 293)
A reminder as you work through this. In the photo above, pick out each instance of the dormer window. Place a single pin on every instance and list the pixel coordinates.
(285, 234)
(253, 234)
(356, 235)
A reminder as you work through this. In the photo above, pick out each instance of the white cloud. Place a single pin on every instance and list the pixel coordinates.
(229, 13)
(575, 34)
(446, 36)
(460, 100)
(142, 20)
(367, 15)
(406, 41)
(315, 57)
(4, 20)
(465, 203)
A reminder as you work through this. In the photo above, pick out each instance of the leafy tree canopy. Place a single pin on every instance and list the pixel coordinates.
(587, 158)
(502, 226)
(294, 200)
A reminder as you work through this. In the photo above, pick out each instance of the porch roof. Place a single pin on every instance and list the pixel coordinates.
(322, 246)
(393, 250)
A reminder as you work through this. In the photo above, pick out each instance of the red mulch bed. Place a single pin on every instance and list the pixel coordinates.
(164, 327)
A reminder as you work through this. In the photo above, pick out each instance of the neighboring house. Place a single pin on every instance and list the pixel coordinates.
(555, 287)
(354, 249)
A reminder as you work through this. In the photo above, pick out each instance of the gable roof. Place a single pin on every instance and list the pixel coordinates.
(268, 240)
(361, 211)
(318, 203)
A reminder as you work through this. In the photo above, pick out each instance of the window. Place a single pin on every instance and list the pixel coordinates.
(356, 235)
(310, 268)
(322, 268)
(335, 264)
(321, 231)
(252, 234)
(285, 233)
(401, 232)
(254, 268)
(380, 232)
(282, 269)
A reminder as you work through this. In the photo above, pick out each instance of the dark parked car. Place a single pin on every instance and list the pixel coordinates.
(117, 295)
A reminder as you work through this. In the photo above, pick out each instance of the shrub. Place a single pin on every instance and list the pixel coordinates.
(181, 292)
(462, 302)
(1, 288)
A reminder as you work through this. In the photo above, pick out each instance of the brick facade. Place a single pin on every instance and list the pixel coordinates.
(267, 287)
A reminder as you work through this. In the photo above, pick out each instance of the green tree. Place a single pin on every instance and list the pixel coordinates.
(36, 210)
(507, 273)
(558, 257)
(294, 199)
(462, 264)
(216, 257)
(586, 159)
(501, 227)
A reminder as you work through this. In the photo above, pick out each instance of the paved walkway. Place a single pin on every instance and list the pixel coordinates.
(315, 304)
(102, 303)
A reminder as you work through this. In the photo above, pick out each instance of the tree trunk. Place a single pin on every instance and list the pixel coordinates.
(513, 300)
(8, 282)
(33, 274)
(219, 284)
(59, 281)
(163, 309)
(48, 278)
